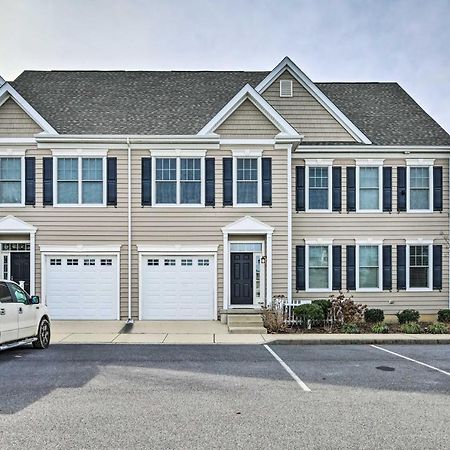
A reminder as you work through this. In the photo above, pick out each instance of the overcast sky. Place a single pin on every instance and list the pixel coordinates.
(330, 40)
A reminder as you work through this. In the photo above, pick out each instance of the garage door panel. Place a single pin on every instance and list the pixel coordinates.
(177, 288)
(82, 287)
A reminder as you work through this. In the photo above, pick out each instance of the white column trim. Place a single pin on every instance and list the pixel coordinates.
(32, 263)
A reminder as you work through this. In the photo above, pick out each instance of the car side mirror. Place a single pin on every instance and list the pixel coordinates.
(35, 300)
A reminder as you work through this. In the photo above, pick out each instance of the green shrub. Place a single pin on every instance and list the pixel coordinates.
(309, 314)
(350, 328)
(410, 328)
(438, 328)
(444, 315)
(324, 304)
(374, 315)
(380, 328)
(408, 315)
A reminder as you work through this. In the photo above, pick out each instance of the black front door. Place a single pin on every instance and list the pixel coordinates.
(20, 268)
(242, 278)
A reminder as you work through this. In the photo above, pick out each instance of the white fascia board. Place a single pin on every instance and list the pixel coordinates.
(17, 141)
(87, 249)
(7, 91)
(176, 249)
(2, 81)
(248, 93)
(287, 64)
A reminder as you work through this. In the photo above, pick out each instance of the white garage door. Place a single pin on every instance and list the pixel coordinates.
(177, 288)
(82, 287)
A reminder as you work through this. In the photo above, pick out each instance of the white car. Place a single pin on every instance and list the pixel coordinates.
(23, 319)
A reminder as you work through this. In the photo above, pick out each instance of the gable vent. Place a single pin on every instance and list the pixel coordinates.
(285, 88)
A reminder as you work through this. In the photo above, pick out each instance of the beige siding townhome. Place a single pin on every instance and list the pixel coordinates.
(223, 190)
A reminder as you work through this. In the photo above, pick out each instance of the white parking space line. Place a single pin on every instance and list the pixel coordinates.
(412, 360)
(288, 369)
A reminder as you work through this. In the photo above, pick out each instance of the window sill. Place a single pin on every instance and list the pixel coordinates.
(369, 211)
(421, 211)
(369, 290)
(178, 205)
(76, 205)
(247, 205)
(318, 290)
(427, 289)
(320, 211)
(13, 205)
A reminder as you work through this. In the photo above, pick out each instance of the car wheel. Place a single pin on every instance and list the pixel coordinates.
(43, 336)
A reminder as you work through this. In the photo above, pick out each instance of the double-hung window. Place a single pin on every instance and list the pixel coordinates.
(368, 270)
(179, 181)
(419, 268)
(369, 192)
(420, 188)
(248, 181)
(80, 181)
(11, 181)
(319, 188)
(318, 265)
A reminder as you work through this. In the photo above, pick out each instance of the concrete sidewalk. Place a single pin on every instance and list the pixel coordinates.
(210, 332)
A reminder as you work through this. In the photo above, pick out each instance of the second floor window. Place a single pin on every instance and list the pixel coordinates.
(10, 180)
(369, 188)
(318, 192)
(419, 188)
(80, 181)
(178, 181)
(247, 181)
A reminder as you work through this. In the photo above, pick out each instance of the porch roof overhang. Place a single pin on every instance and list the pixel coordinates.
(13, 225)
(247, 225)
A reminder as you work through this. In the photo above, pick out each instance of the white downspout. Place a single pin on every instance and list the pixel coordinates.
(130, 319)
(289, 230)
(448, 239)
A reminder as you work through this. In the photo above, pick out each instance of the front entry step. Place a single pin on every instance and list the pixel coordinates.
(245, 324)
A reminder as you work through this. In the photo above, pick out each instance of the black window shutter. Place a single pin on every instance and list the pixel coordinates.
(387, 189)
(401, 188)
(387, 267)
(401, 267)
(146, 181)
(227, 181)
(437, 267)
(111, 177)
(437, 188)
(336, 188)
(300, 272)
(48, 180)
(351, 267)
(30, 181)
(300, 188)
(351, 188)
(267, 181)
(337, 271)
(210, 182)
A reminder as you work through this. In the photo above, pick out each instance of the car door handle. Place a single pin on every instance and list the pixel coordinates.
(2, 312)
(20, 310)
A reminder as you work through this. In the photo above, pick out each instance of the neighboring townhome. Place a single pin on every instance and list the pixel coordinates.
(182, 195)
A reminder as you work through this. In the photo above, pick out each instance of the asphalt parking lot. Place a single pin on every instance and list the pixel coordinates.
(150, 396)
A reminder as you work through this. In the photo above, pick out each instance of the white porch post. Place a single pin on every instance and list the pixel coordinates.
(269, 270)
(32, 263)
(226, 281)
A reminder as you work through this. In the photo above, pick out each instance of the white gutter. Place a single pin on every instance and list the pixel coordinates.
(130, 319)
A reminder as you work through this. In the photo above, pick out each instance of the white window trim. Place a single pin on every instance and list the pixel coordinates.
(170, 155)
(380, 266)
(330, 187)
(22, 181)
(380, 190)
(330, 266)
(430, 186)
(291, 94)
(428, 244)
(80, 204)
(247, 155)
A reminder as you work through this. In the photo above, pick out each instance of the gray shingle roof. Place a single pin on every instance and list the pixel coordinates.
(121, 102)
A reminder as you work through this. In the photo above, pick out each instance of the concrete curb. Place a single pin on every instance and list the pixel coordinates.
(382, 341)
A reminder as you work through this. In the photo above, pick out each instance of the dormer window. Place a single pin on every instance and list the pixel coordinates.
(285, 88)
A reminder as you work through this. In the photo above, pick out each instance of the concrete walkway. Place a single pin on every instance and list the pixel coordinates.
(209, 332)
